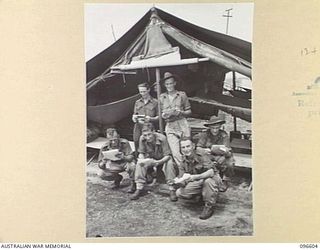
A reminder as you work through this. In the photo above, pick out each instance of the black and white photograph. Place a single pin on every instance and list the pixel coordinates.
(169, 135)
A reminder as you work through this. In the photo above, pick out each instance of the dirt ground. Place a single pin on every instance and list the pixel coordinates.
(110, 213)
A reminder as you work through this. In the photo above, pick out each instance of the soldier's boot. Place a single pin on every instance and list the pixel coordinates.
(117, 179)
(207, 211)
(173, 196)
(136, 194)
(133, 187)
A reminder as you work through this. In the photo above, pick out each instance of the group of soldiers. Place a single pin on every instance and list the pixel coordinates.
(191, 171)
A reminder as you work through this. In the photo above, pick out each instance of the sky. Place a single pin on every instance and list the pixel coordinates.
(100, 18)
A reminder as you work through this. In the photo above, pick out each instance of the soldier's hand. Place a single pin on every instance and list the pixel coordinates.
(134, 118)
(147, 118)
(165, 115)
(102, 165)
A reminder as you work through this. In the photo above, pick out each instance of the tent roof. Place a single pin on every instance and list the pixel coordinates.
(97, 65)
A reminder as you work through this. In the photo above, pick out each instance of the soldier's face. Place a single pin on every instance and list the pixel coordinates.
(148, 135)
(144, 92)
(214, 129)
(170, 84)
(186, 147)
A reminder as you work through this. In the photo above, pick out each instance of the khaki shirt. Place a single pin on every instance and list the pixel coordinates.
(195, 164)
(180, 101)
(157, 149)
(225, 161)
(206, 139)
(150, 108)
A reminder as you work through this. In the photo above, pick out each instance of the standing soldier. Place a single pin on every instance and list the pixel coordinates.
(198, 176)
(154, 152)
(145, 110)
(175, 107)
(215, 143)
(110, 169)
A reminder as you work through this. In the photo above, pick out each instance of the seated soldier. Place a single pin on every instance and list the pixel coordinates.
(154, 152)
(198, 176)
(110, 168)
(215, 143)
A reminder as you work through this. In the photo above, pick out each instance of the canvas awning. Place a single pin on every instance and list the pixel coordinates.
(146, 43)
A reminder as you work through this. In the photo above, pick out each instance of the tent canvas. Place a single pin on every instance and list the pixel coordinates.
(159, 36)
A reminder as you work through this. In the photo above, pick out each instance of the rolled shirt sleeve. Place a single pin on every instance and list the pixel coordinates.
(135, 109)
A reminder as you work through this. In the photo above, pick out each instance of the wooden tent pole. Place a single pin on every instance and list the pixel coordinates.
(158, 97)
(234, 88)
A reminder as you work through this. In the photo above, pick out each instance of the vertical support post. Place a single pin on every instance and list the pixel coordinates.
(158, 97)
(234, 88)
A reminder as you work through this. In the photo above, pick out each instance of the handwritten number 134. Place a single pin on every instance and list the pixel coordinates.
(306, 51)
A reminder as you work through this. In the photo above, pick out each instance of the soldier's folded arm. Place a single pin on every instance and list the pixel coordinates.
(152, 119)
(163, 160)
(202, 150)
(209, 173)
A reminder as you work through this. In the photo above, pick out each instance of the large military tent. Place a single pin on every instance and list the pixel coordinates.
(205, 57)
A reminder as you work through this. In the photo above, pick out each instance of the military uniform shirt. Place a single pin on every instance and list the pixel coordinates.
(195, 164)
(207, 139)
(157, 149)
(150, 108)
(180, 101)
